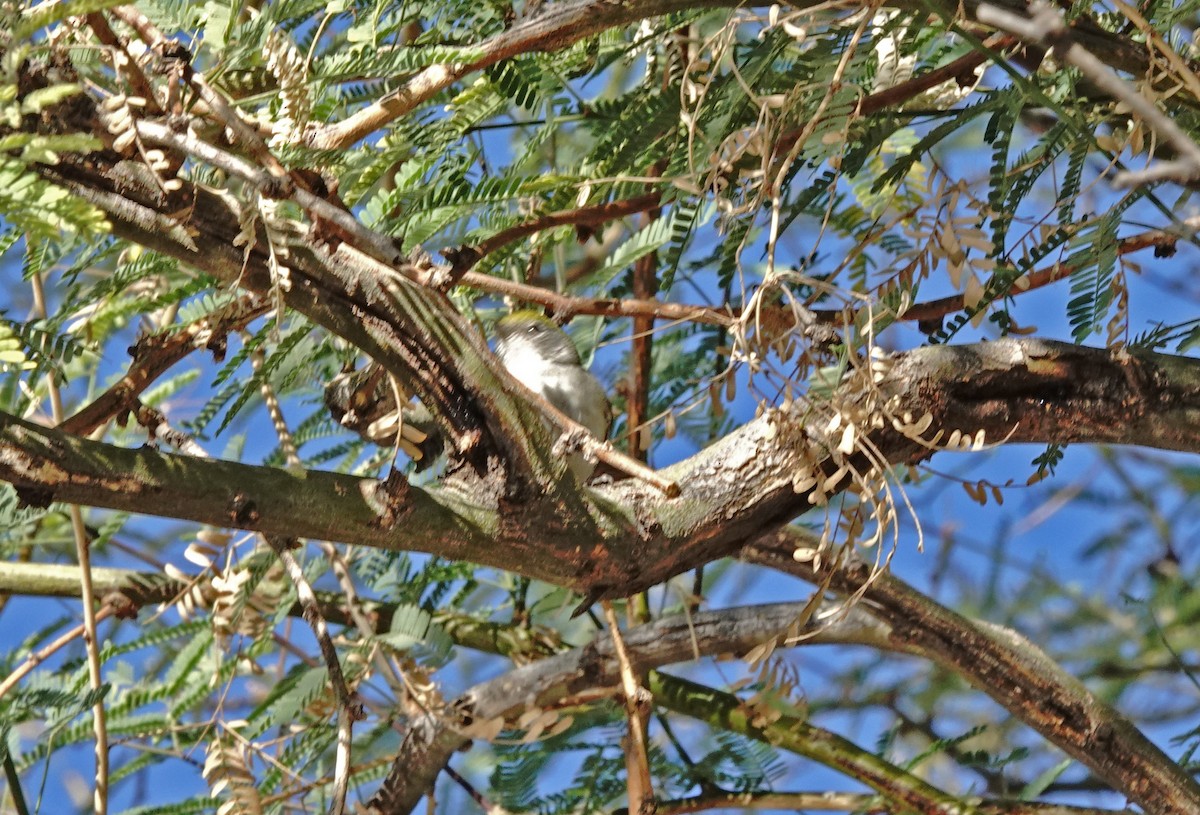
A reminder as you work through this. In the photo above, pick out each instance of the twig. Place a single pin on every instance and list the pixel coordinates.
(593, 448)
(933, 309)
(348, 708)
(1046, 25)
(958, 69)
(379, 246)
(138, 589)
(555, 26)
(151, 362)
(87, 592)
(1179, 170)
(37, 658)
(565, 305)
(466, 257)
(637, 709)
(645, 287)
(475, 794)
(1183, 72)
(905, 91)
(14, 783)
(137, 78)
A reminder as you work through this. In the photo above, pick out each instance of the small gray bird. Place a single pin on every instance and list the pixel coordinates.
(542, 357)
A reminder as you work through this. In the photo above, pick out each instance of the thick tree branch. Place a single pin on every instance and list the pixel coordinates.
(743, 485)
(852, 802)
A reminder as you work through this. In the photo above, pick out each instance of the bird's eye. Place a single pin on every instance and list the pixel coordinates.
(533, 329)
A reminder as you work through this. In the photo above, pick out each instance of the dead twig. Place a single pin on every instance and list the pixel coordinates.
(637, 713)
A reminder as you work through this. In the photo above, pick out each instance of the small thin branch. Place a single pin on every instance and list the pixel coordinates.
(356, 610)
(566, 305)
(637, 398)
(1047, 26)
(637, 708)
(132, 590)
(1182, 171)
(38, 657)
(146, 30)
(593, 448)
(902, 92)
(153, 356)
(141, 86)
(87, 591)
(14, 784)
(465, 258)
(378, 245)
(348, 708)
(475, 794)
(958, 69)
(1184, 73)
(556, 26)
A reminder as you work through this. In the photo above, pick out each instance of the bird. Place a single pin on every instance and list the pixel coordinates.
(542, 357)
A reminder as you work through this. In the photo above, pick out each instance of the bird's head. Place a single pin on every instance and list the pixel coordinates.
(533, 333)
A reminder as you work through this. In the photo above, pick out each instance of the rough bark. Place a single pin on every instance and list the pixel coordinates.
(630, 536)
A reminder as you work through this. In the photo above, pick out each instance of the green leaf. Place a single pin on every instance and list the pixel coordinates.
(1044, 779)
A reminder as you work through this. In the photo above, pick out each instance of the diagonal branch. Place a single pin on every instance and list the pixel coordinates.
(464, 258)
(1011, 670)
(1046, 25)
(153, 356)
(555, 26)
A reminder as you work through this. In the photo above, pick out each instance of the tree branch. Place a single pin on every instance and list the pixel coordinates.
(743, 485)
(853, 802)
(153, 356)
(464, 258)
(137, 589)
(432, 740)
(1011, 670)
(555, 26)
(1046, 25)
